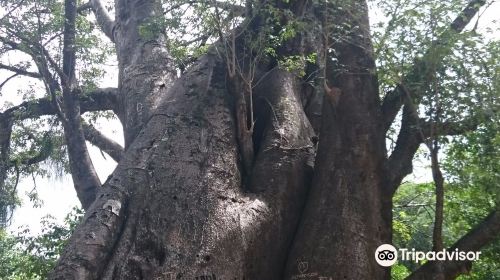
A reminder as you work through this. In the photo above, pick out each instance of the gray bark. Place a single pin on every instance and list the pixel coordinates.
(348, 214)
(177, 205)
(145, 67)
(103, 142)
(191, 214)
(82, 170)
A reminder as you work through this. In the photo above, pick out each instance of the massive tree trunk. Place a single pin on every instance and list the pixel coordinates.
(176, 205)
(348, 214)
(180, 204)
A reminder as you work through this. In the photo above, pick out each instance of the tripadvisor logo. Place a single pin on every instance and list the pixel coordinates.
(387, 255)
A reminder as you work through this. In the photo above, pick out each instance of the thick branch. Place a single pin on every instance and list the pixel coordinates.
(103, 19)
(104, 143)
(395, 99)
(437, 176)
(412, 134)
(409, 139)
(84, 7)
(483, 234)
(69, 54)
(5, 136)
(97, 100)
(20, 71)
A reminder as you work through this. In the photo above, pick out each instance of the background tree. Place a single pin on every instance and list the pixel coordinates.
(270, 149)
(32, 257)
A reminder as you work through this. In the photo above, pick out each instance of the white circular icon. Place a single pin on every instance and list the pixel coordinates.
(386, 255)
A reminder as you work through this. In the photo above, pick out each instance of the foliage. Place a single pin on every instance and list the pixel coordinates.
(464, 85)
(473, 161)
(464, 208)
(399, 272)
(472, 170)
(31, 40)
(24, 256)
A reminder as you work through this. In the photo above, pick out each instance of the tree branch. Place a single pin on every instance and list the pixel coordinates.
(103, 19)
(483, 234)
(9, 12)
(104, 143)
(5, 136)
(400, 163)
(394, 99)
(448, 128)
(84, 175)
(412, 134)
(7, 80)
(229, 7)
(20, 71)
(97, 100)
(84, 7)
(43, 154)
(237, 10)
(33, 49)
(42, 58)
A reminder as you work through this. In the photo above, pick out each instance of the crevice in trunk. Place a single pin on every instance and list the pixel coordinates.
(243, 115)
(263, 116)
(346, 218)
(187, 213)
(126, 232)
(282, 173)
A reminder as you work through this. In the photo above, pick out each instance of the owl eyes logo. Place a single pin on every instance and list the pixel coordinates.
(386, 255)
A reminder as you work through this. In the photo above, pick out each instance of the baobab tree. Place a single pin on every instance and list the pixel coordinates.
(261, 154)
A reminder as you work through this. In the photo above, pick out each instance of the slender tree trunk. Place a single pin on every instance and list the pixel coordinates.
(84, 176)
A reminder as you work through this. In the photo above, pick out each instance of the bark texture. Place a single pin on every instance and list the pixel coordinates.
(348, 214)
(175, 206)
(84, 176)
(145, 66)
(184, 203)
(104, 143)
